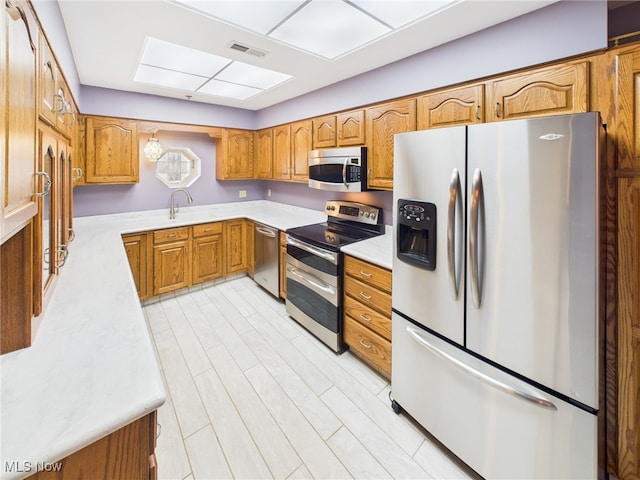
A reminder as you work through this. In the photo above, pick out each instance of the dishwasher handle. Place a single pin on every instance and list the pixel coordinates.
(267, 232)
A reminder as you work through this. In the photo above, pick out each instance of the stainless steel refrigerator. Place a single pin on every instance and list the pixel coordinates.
(496, 293)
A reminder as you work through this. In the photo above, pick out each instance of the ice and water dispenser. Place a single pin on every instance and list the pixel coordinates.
(416, 231)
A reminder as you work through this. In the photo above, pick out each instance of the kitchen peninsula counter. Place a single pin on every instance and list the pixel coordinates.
(92, 368)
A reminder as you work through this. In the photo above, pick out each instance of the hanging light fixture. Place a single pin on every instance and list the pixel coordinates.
(153, 149)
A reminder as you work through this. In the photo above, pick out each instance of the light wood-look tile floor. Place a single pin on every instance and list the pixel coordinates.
(253, 395)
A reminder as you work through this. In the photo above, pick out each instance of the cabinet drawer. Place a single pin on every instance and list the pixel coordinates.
(206, 229)
(368, 295)
(370, 345)
(171, 234)
(368, 273)
(370, 318)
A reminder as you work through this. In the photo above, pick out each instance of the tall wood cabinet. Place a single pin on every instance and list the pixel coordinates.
(626, 120)
(111, 150)
(18, 59)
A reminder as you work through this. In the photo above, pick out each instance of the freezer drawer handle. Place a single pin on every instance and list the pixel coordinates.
(454, 238)
(476, 234)
(538, 401)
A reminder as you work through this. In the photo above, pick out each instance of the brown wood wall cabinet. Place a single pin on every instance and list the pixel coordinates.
(382, 123)
(367, 312)
(234, 154)
(263, 162)
(339, 130)
(111, 150)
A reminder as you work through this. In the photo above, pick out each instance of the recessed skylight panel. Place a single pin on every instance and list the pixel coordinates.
(228, 90)
(399, 13)
(171, 56)
(168, 78)
(329, 29)
(257, 16)
(250, 75)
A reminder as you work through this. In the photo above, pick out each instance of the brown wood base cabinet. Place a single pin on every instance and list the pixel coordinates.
(367, 312)
(127, 453)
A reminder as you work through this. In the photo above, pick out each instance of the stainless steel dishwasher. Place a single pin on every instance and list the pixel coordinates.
(266, 258)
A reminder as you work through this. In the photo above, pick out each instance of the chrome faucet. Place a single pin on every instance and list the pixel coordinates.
(174, 206)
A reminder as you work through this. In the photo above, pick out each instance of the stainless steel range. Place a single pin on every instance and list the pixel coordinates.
(314, 267)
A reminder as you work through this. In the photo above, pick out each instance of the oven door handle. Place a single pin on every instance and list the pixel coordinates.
(325, 288)
(330, 256)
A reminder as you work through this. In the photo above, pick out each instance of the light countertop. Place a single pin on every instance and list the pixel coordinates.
(377, 250)
(92, 368)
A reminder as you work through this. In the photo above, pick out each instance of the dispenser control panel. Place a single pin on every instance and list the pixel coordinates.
(416, 233)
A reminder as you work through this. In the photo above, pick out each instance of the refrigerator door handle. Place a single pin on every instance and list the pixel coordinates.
(493, 382)
(475, 237)
(454, 236)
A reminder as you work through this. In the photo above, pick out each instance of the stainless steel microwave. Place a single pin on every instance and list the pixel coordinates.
(338, 169)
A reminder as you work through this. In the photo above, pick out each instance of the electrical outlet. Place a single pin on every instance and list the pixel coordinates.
(243, 193)
(268, 192)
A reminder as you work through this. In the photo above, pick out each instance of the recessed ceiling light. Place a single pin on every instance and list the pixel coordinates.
(253, 76)
(229, 90)
(256, 16)
(170, 65)
(329, 29)
(168, 78)
(402, 12)
(172, 56)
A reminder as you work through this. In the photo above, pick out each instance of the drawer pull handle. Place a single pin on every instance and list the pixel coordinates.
(365, 344)
(365, 274)
(366, 318)
(365, 296)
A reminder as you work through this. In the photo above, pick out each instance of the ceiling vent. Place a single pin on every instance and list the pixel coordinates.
(256, 52)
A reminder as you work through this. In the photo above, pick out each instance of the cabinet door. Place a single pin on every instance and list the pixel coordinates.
(282, 152)
(19, 157)
(112, 153)
(136, 247)
(234, 155)
(170, 266)
(547, 91)
(301, 138)
(383, 122)
(324, 132)
(264, 153)
(459, 106)
(235, 246)
(350, 126)
(628, 108)
(207, 259)
(47, 80)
